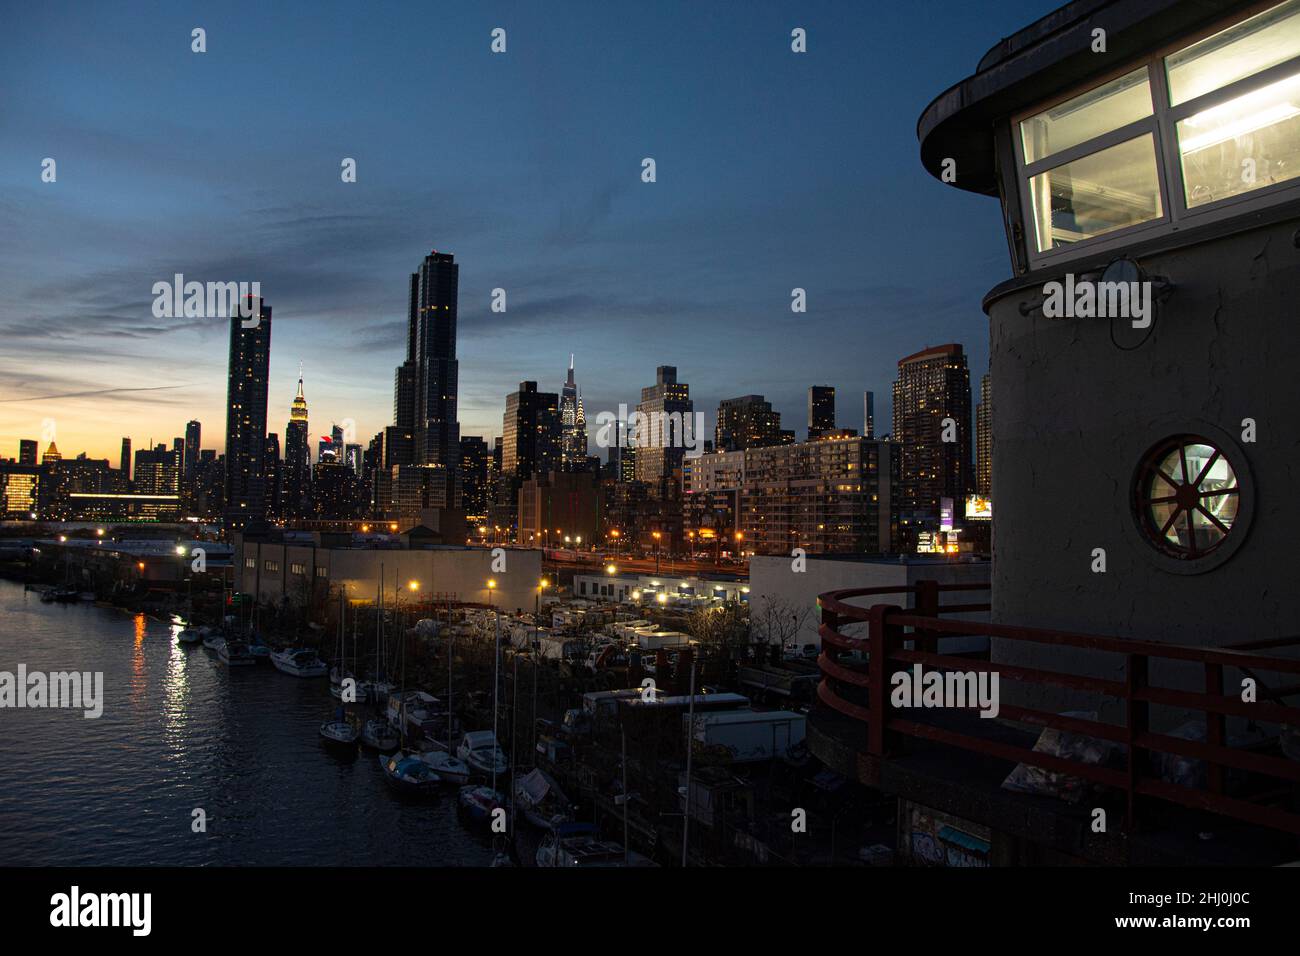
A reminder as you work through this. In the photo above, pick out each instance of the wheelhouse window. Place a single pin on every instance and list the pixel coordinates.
(1225, 109)
(1241, 131)
(1097, 194)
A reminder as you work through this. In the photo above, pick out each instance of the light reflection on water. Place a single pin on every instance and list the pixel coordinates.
(181, 731)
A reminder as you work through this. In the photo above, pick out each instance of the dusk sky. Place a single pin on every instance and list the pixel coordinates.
(774, 169)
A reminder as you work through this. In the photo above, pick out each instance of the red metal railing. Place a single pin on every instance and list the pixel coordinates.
(860, 691)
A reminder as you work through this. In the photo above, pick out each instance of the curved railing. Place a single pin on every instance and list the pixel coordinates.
(859, 691)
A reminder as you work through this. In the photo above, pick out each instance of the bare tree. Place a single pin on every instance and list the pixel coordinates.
(720, 625)
(778, 621)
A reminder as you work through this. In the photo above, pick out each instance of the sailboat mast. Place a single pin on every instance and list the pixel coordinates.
(496, 685)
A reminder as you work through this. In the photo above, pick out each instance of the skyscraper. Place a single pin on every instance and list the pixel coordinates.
(246, 390)
(274, 476)
(28, 449)
(297, 458)
(748, 422)
(868, 414)
(821, 410)
(530, 432)
(193, 434)
(573, 426)
(932, 429)
(158, 470)
(433, 314)
(420, 468)
(126, 459)
(984, 440)
(668, 409)
(474, 458)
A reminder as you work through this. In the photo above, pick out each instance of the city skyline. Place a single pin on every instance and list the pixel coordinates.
(568, 233)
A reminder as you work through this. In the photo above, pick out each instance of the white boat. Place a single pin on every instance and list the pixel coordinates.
(377, 735)
(479, 802)
(409, 774)
(339, 732)
(541, 801)
(214, 641)
(575, 844)
(299, 662)
(479, 749)
(188, 635)
(418, 706)
(235, 654)
(449, 768)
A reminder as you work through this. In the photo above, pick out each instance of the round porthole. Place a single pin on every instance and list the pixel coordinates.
(1192, 501)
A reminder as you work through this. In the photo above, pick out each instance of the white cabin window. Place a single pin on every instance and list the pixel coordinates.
(1190, 135)
(1236, 101)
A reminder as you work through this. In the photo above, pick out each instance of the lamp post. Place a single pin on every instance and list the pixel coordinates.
(537, 647)
(656, 535)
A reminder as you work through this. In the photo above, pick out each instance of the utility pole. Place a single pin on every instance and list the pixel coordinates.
(623, 731)
(690, 741)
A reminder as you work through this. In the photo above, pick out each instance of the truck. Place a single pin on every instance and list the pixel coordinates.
(749, 735)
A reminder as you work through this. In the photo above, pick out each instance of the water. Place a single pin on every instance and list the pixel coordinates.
(181, 731)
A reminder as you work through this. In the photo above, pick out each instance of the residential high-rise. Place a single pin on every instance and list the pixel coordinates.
(158, 470)
(246, 391)
(193, 435)
(668, 421)
(420, 471)
(868, 414)
(433, 313)
(823, 496)
(573, 426)
(821, 410)
(530, 446)
(474, 458)
(296, 482)
(932, 428)
(984, 440)
(530, 432)
(274, 477)
(748, 422)
(126, 459)
(28, 449)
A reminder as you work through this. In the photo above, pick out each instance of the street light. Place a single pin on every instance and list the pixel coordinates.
(610, 569)
(656, 535)
(492, 586)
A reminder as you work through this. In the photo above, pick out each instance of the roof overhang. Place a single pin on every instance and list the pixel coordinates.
(1047, 58)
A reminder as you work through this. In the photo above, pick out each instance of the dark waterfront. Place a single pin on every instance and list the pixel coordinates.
(181, 731)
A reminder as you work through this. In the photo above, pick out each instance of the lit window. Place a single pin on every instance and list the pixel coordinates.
(1230, 125)
(1096, 194)
(1187, 496)
(1233, 54)
(1118, 103)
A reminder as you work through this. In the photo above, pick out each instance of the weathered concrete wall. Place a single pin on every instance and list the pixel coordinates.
(1072, 416)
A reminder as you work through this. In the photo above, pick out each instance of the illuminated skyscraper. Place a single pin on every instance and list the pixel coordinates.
(246, 389)
(297, 458)
(821, 410)
(932, 429)
(573, 426)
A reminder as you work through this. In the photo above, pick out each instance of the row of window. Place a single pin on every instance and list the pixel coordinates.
(1185, 133)
(274, 566)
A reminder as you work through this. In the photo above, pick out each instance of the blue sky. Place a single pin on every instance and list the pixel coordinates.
(774, 170)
